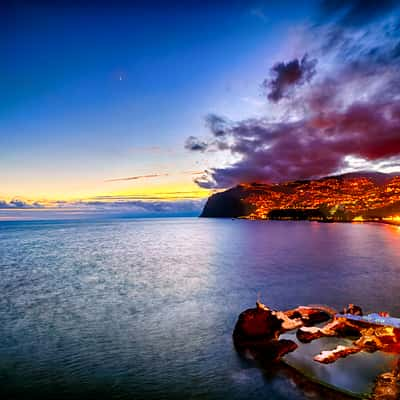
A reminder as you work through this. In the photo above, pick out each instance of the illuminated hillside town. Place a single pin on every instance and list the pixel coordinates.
(339, 198)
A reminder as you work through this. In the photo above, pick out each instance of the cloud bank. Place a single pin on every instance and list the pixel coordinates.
(112, 206)
(338, 101)
(17, 204)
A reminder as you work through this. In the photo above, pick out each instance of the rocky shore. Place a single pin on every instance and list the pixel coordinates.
(258, 331)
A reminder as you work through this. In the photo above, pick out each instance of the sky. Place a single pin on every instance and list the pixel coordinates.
(145, 108)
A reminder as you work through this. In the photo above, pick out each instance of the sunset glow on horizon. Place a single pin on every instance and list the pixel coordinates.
(172, 102)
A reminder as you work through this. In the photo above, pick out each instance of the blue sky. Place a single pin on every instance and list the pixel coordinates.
(93, 91)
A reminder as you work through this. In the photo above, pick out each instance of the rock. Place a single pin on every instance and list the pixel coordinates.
(340, 326)
(330, 356)
(228, 204)
(262, 323)
(256, 325)
(384, 338)
(311, 315)
(273, 350)
(258, 330)
(353, 310)
(288, 324)
(387, 385)
(308, 334)
(369, 342)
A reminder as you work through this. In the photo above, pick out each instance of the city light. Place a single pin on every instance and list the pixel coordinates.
(350, 199)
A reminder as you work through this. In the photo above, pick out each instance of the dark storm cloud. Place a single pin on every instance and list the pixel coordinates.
(286, 76)
(194, 144)
(309, 148)
(350, 108)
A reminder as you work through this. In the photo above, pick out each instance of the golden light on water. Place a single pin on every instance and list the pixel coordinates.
(395, 219)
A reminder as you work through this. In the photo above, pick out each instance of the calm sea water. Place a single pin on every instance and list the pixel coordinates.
(144, 309)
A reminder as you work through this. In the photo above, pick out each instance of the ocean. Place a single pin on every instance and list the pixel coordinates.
(145, 308)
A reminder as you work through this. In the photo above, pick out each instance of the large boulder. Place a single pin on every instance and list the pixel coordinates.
(256, 324)
(353, 310)
(258, 330)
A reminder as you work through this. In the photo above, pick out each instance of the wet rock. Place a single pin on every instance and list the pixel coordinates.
(369, 342)
(273, 350)
(308, 334)
(384, 338)
(256, 325)
(340, 326)
(330, 356)
(262, 323)
(257, 330)
(353, 310)
(310, 315)
(288, 324)
(387, 385)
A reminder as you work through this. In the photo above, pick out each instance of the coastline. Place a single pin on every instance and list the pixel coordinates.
(329, 221)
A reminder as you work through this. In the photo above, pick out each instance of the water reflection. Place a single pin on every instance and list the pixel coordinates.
(146, 308)
(354, 374)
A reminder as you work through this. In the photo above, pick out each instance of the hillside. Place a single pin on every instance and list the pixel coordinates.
(338, 198)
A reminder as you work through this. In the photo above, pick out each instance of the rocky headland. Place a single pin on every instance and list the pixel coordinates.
(363, 196)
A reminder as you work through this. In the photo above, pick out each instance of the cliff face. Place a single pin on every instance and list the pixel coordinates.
(343, 197)
(228, 204)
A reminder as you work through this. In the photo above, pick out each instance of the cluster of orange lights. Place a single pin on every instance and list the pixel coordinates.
(354, 197)
(395, 219)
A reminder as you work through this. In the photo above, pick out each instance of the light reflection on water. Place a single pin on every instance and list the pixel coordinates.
(354, 374)
(146, 308)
